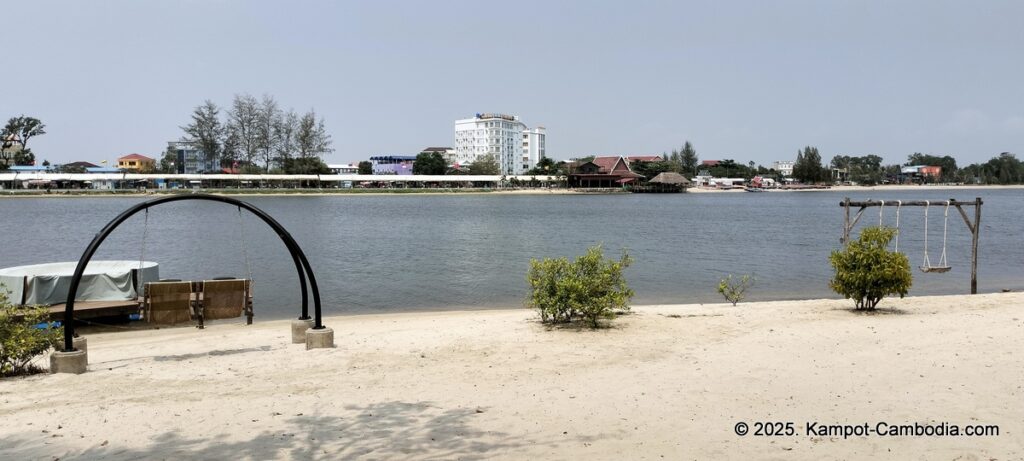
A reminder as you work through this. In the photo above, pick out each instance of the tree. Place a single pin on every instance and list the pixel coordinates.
(286, 129)
(168, 161)
(24, 128)
(866, 271)
(365, 167)
(312, 139)
(242, 129)
(484, 165)
(546, 166)
(590, 288)
(808, 167)
(305, 165)
(24, 157)
(688, 158)
(206, 130)
(651, 169)
(46, 163)
(267, 119)
(430, 163)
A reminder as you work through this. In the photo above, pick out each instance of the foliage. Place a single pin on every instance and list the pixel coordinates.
(366, 167)
(169, 160)
(807, 167)
(688, 159)
(23, 128)
(735, 290)
(24, 157)
(1004, 168)
(590, 288)
(545, 166)
(312, 139)
(651, 169)
(256, 131)
(309, 165)
(484, 165)
(431, 163)
(947, 163)
(728, 168)
(20, 340)
(205, 130)
(866, 271)
(866, 170)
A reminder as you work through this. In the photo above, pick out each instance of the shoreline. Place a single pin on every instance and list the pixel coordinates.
(552, 191)
(666, 381)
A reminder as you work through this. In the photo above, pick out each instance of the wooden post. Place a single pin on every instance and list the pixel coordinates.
(974, 245)
(846, 221)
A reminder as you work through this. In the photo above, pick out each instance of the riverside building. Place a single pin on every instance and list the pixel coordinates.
(515, 147)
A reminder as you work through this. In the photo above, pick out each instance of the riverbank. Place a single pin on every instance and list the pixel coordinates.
(306, 192)
(667, 382)
(858, 189)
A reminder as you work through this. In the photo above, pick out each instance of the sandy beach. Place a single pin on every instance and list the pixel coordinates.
(666, 382)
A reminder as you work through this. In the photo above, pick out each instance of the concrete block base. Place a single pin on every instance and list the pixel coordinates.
(299, 328)
(81, 344)
(319, 339)
(68, 362)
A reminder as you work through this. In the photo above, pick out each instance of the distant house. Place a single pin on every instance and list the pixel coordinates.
(447, 152)
(9, 146)
(710, 163)
(920, 172)
(644, 158)
(784, 167)
(349, 168)
(80, 165)
(136, 162)
(603, 172)
(392, 164)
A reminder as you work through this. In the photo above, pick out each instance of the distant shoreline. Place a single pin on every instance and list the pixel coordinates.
(307, 192)
(8, 193)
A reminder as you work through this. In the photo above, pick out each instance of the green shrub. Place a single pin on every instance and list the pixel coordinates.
(590, 288)
(866, 271)
(734, 291)
(20, 340)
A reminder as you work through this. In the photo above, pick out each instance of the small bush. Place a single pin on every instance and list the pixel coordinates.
(866, 271)
(20, 340)
(590, 288)
(735, 290)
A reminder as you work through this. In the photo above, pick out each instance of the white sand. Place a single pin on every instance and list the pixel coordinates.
(669, 382)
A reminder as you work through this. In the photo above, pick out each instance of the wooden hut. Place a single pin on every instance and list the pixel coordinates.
(665, 182)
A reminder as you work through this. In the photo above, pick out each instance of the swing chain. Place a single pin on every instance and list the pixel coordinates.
(245, 247)
(140, 288)
(899, 204)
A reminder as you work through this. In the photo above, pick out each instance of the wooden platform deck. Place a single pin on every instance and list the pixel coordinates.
(94, 309)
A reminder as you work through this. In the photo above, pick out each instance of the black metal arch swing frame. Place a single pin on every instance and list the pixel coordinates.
(301, 263)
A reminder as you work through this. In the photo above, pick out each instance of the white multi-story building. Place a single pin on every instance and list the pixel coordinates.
(784, 167)
(513, 145)
(533, 146)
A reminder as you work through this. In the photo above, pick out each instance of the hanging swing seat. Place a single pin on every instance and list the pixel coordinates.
(942, 266)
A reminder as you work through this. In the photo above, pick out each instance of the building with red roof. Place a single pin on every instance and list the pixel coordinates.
(137, 162)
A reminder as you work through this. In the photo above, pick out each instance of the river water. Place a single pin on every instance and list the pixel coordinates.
(436, 252)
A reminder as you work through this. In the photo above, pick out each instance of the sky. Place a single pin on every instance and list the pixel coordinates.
(746, 80)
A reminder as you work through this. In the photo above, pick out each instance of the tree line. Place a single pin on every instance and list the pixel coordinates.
(14, 140)
(257, 136)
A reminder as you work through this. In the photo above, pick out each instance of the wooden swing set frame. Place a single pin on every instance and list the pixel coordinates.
(974, 227)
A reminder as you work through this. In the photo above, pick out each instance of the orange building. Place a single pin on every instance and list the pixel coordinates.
(136, 162)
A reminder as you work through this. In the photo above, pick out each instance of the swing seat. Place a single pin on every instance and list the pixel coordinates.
(936, 269)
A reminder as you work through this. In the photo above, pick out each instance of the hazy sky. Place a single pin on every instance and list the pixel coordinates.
(744, 80)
